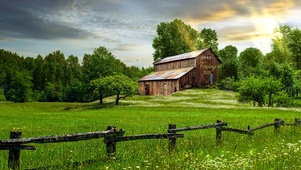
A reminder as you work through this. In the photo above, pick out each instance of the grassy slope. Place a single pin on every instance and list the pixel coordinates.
(141, 115)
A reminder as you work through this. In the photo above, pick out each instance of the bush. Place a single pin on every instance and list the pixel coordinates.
(39, 96)
(282, 100)
(228, 83)
(263, 92)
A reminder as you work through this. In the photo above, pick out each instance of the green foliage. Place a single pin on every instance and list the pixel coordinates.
(209, 38)
(252, 89)
(55, 78)
(229, 66)
(282, 100)
(285, 73)
(286, 45)
(53, 92)
(20, 87)
(54, 68)
(228, 83)
(101, 63)
(115, 85)
(250, 62)
(39, 96)
(2, 97)
(75, 92)
(263, 92)
(176, 38)
(38, 74)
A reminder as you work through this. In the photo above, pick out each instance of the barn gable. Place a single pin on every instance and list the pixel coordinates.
(193, 69)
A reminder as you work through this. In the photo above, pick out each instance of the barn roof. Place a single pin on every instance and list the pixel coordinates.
(167, 75)
(184, 56)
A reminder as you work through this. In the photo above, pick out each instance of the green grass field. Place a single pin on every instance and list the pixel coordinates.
(149, 114)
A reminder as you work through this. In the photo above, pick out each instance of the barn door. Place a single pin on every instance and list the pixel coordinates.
(211, 79)
(146, 89)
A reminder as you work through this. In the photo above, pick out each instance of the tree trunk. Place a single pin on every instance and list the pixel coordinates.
(100, 97)
(117, 98)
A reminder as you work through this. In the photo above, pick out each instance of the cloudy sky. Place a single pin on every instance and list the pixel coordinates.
(127, 27)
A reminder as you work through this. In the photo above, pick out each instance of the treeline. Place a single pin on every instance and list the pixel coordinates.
(264, 80)
(59, 78)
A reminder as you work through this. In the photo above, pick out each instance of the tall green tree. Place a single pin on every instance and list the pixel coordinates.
(250, 62)
(209, 38)
(10, 63)
(294, 44)
(229, 66)
(39, 74)
(55, 67)
(101, 63)
(280, 51)
(283, 62)
(175, 38)
(21, 87)
(73, 70)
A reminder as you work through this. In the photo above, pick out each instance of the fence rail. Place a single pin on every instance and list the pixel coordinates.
(198, 127)
(112, 135)
(63, 138)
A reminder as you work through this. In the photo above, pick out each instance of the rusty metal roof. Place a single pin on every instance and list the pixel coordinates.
(167, 74)
(184, 56)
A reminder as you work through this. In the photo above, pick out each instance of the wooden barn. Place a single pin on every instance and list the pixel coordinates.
(184, 71)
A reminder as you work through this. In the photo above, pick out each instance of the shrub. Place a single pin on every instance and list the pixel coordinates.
(282, 99)
(263, 91)
(228, 83)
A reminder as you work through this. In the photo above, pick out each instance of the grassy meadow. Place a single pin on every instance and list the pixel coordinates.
(150, 114)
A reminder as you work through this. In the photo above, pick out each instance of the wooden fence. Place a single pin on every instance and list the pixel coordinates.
(112, 135)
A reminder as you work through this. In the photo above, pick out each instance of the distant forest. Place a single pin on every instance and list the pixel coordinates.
(58, 78)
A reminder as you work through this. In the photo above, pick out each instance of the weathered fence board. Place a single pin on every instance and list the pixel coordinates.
(62, 138)
(199, 127)
(236, 130)
(277, 122)
(143, 136)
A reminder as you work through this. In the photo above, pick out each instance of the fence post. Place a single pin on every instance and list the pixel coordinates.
(172, 141)
(218, 133)
(110, 146)
(276, 125)
(250, 132)
(297, 121)
(14, 154)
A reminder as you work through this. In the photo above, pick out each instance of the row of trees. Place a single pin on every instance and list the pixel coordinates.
(265, 80)
(56, 78)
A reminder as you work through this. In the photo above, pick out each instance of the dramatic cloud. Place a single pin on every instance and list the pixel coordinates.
(127, 28)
